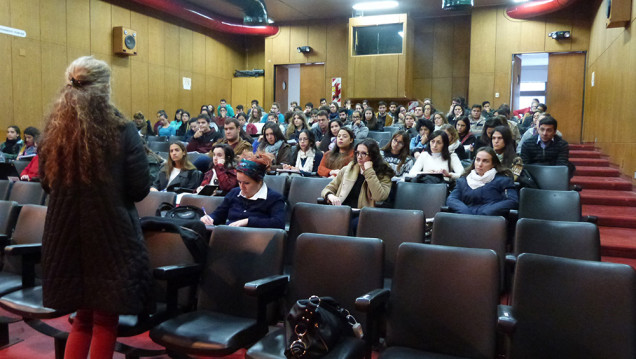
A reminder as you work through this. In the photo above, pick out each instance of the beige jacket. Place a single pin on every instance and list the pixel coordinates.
(373, 189)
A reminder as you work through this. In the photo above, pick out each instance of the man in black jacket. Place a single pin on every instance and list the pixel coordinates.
(546, 148)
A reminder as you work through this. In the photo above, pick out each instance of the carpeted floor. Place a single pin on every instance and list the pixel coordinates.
(610, 197)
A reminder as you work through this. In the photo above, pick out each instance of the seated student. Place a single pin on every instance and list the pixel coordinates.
(504, 147)
(222, 171)
(537, 116)
(233, 138)
(546, 148)
(360, 129)
(455, 146)
(487, 187)
(397, 155)
(329, 142)
(333, 111)
(484, 140)
(373, 123)
(177, 171)
(180, 122)
(203, 140)
(343, 116)
(363, 182)
(419, 142)
(222, 116)
(409, 124)
(466, 137)
(155, 162)
(439, 120)
(382, 115)
(305, 157)
(340, 156)
(30, 147)
(252, 204)
(437, 159)
(193, 126)
(143, 126)
(298, 123)
(161, 117)
(11, 147)
(30, 172)
(458, 111)
(228, 107)
(248, 129)
(165, 129)
(273, 141)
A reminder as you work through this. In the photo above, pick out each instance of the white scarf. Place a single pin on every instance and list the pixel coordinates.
(475, 181)
(453, 147)
(309, 163)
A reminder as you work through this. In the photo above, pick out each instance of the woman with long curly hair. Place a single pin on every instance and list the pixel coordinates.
(93, 165)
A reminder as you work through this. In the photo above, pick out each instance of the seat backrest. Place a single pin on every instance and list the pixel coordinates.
(427, 197)
(569, 308)
(192, 156)
(472, 231)
(352, 270)
(576, 240)
(20, 165)
(27, 193)
(148, 206)
(156, 139)
(550, 204)
(8, 216)
(393, 227)
(5, 186)
(444, 300)
(381, 137)
(29, 229)
(176, 138)
(306, 189)
(316, 218)
(550, 177)
(277, 183)
(208, 202)
(391, 129)
(238, 255)
(156, 146)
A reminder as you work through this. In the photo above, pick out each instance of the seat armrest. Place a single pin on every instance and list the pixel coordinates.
(32, 249)
(511, 260)
(177, 271)
(273, 285)
(4, 240)
(184, 190)
(591, 219)
(506, 322)
(513, 216)
(373, 300)
(445, 209)
(321, 200)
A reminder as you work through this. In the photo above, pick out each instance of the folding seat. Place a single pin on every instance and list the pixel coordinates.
(472, 231)
(156, 139)
(381, 137)
(277, 183)
(428, 198)
(210, 203)
(393, 227)
(156, 146)
(437, 308)
(27, 193)
(148, 206)
(20, 165)
(305, 189)
(570, 308)
(550, 177)
(316, 218)
(230, 314)
(350, 271)
(176, 139)
(551, 205)
(9, 211)
(5, 187)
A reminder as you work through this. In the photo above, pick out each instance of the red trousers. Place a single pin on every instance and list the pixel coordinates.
(92, 331)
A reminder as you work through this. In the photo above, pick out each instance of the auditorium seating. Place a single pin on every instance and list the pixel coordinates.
(148, 206)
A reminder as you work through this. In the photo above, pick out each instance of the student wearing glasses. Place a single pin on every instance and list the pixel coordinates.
(363, 182)
(360, 129)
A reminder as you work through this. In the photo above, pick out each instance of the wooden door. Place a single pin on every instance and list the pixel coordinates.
(516, 82)
(280, 91)
(312, 84)
(564, 93)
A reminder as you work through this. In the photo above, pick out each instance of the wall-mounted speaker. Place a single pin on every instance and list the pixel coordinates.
(619, 13)
(124, 41)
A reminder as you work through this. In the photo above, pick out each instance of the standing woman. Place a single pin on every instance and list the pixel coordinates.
(178, 171)
(92, 243)
(340, 156)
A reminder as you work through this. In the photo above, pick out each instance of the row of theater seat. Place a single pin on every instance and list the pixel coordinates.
(442, 299)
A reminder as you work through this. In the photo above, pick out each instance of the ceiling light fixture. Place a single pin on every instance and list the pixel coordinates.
(375, 5)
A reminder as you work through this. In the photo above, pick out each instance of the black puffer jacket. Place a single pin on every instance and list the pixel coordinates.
(94, 256)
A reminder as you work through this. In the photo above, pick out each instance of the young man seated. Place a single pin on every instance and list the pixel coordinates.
(203, 140)
(546, 148)
(233, 139)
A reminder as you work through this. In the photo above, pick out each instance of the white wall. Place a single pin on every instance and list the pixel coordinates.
(293, 86)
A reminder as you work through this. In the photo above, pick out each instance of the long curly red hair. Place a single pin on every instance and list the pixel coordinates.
(82, 131)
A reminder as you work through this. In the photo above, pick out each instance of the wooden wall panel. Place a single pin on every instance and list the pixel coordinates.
(386, 85)
(156, 45)
(280, 54)
(443, 49)
(27, 80)
(442, 89)
(173, 88)
(53, 24)
(198, 53)
(156, 90)
(239, 90)
(198, 93)
(54, 62)
(311, 84)
(25, 15)
(335, 62)
(254, 53)
(120, 16)
(171, 45)
(122, 84)
(185, 96)
(317, 39)
(298, 36)
(185, 49)
(139, 23)
(139, 88)
(78, 27)
(101, 27)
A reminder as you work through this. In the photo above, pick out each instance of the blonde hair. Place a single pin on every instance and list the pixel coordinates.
(83, 128)
(452, 132)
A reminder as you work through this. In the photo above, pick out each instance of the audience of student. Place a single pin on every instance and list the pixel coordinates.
(12, 145)
(274, 143)
(165, 129)
(233, 138)
(329, 142)
(360, 129)
(546, 148)
(372, 121)
(484, 140)
(321, 128)
(252, 204)
(204, 138)
(31, 171)
(504, 147)
(466, 137)
(222, 172)
(306, 156)
(298, 123)
(455, 146)
(419, 142)
(30, 147)
(332, 161)
(143, 126)
(437, 159)
(180, 122)
(397, 154)
(486, 188)
(178, 172)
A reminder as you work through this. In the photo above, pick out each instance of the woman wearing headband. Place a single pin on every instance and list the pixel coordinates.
(252, 204)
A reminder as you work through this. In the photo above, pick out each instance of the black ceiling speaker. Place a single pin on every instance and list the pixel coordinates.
(457, 4)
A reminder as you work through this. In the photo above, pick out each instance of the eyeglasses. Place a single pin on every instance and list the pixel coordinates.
(356, 116)
(361, 154)
(397, 142)
(303, 139)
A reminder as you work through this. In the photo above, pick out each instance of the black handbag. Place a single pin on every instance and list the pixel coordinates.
(315, 325)
(167, 210)
(429, 178)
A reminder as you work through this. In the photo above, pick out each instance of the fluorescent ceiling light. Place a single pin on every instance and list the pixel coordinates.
(375, 5)
(519, 1)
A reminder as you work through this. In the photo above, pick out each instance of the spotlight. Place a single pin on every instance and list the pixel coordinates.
(559, 35)
(304, 49)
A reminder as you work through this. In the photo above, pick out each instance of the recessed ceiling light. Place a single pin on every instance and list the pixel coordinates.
(375, 5)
